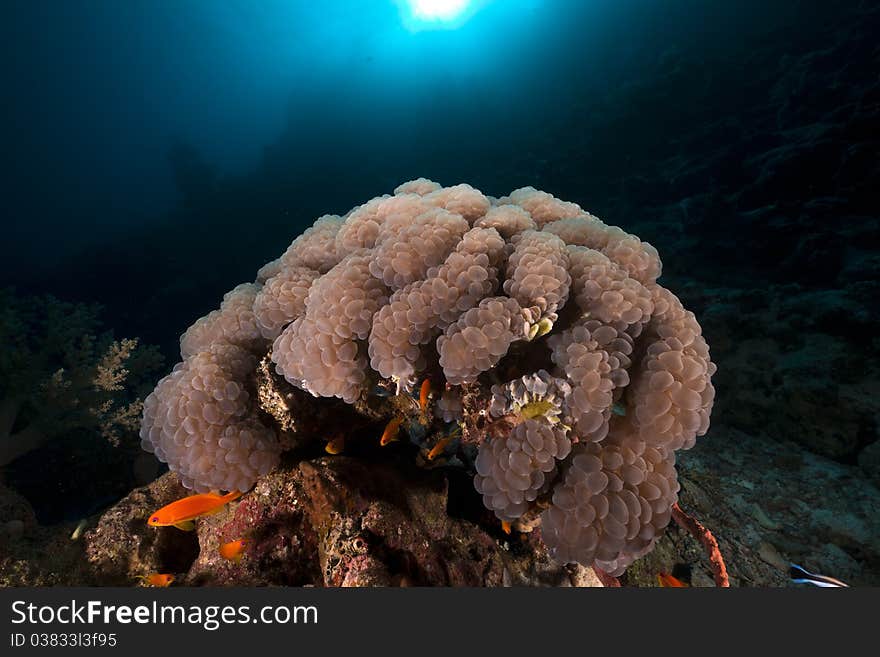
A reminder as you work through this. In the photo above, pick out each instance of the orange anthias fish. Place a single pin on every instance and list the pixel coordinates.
(505, 526)
(233, 550)
(391, 429)
(669, 582)
(157, 579)
(439, 448)
(181, 513)
(336, 445)
(424, 391)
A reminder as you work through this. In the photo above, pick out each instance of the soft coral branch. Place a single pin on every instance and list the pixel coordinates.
(9, 407)
(707, 540)
(13, 445)
(59, 376)
(17, 444)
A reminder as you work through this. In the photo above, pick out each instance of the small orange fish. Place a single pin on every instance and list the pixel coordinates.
(336, 445)
(505, 526)
(439, 448)
(160, 580)
(233, 550)
(181, 513)
(391, 429)
(668, 581)
(424, 391)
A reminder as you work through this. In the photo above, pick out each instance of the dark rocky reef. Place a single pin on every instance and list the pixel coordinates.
(364, 521)
(328, 521)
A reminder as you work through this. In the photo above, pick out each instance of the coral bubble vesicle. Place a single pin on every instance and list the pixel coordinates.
(553, 355)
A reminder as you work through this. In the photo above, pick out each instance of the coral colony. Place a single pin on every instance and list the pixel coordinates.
(59, 375)
(566, 374)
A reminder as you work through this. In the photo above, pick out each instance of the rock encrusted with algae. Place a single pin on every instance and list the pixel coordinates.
(324, 522)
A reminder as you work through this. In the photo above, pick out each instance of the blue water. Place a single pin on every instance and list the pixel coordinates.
(257, 117)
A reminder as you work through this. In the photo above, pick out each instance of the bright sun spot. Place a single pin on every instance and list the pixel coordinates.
(437, 10)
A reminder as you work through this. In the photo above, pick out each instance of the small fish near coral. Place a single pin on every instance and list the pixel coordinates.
(424, 394)
(335, 446)
(800, 575)
(233, 550)
(667, 581)
(391, 430)
(183, 512)
(439, 448)
(157, 580)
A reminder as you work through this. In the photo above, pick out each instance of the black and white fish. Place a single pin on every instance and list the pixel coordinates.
(801, 575)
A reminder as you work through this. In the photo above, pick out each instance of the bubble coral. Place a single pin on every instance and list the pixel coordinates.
(200, 420)
(571, 370)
